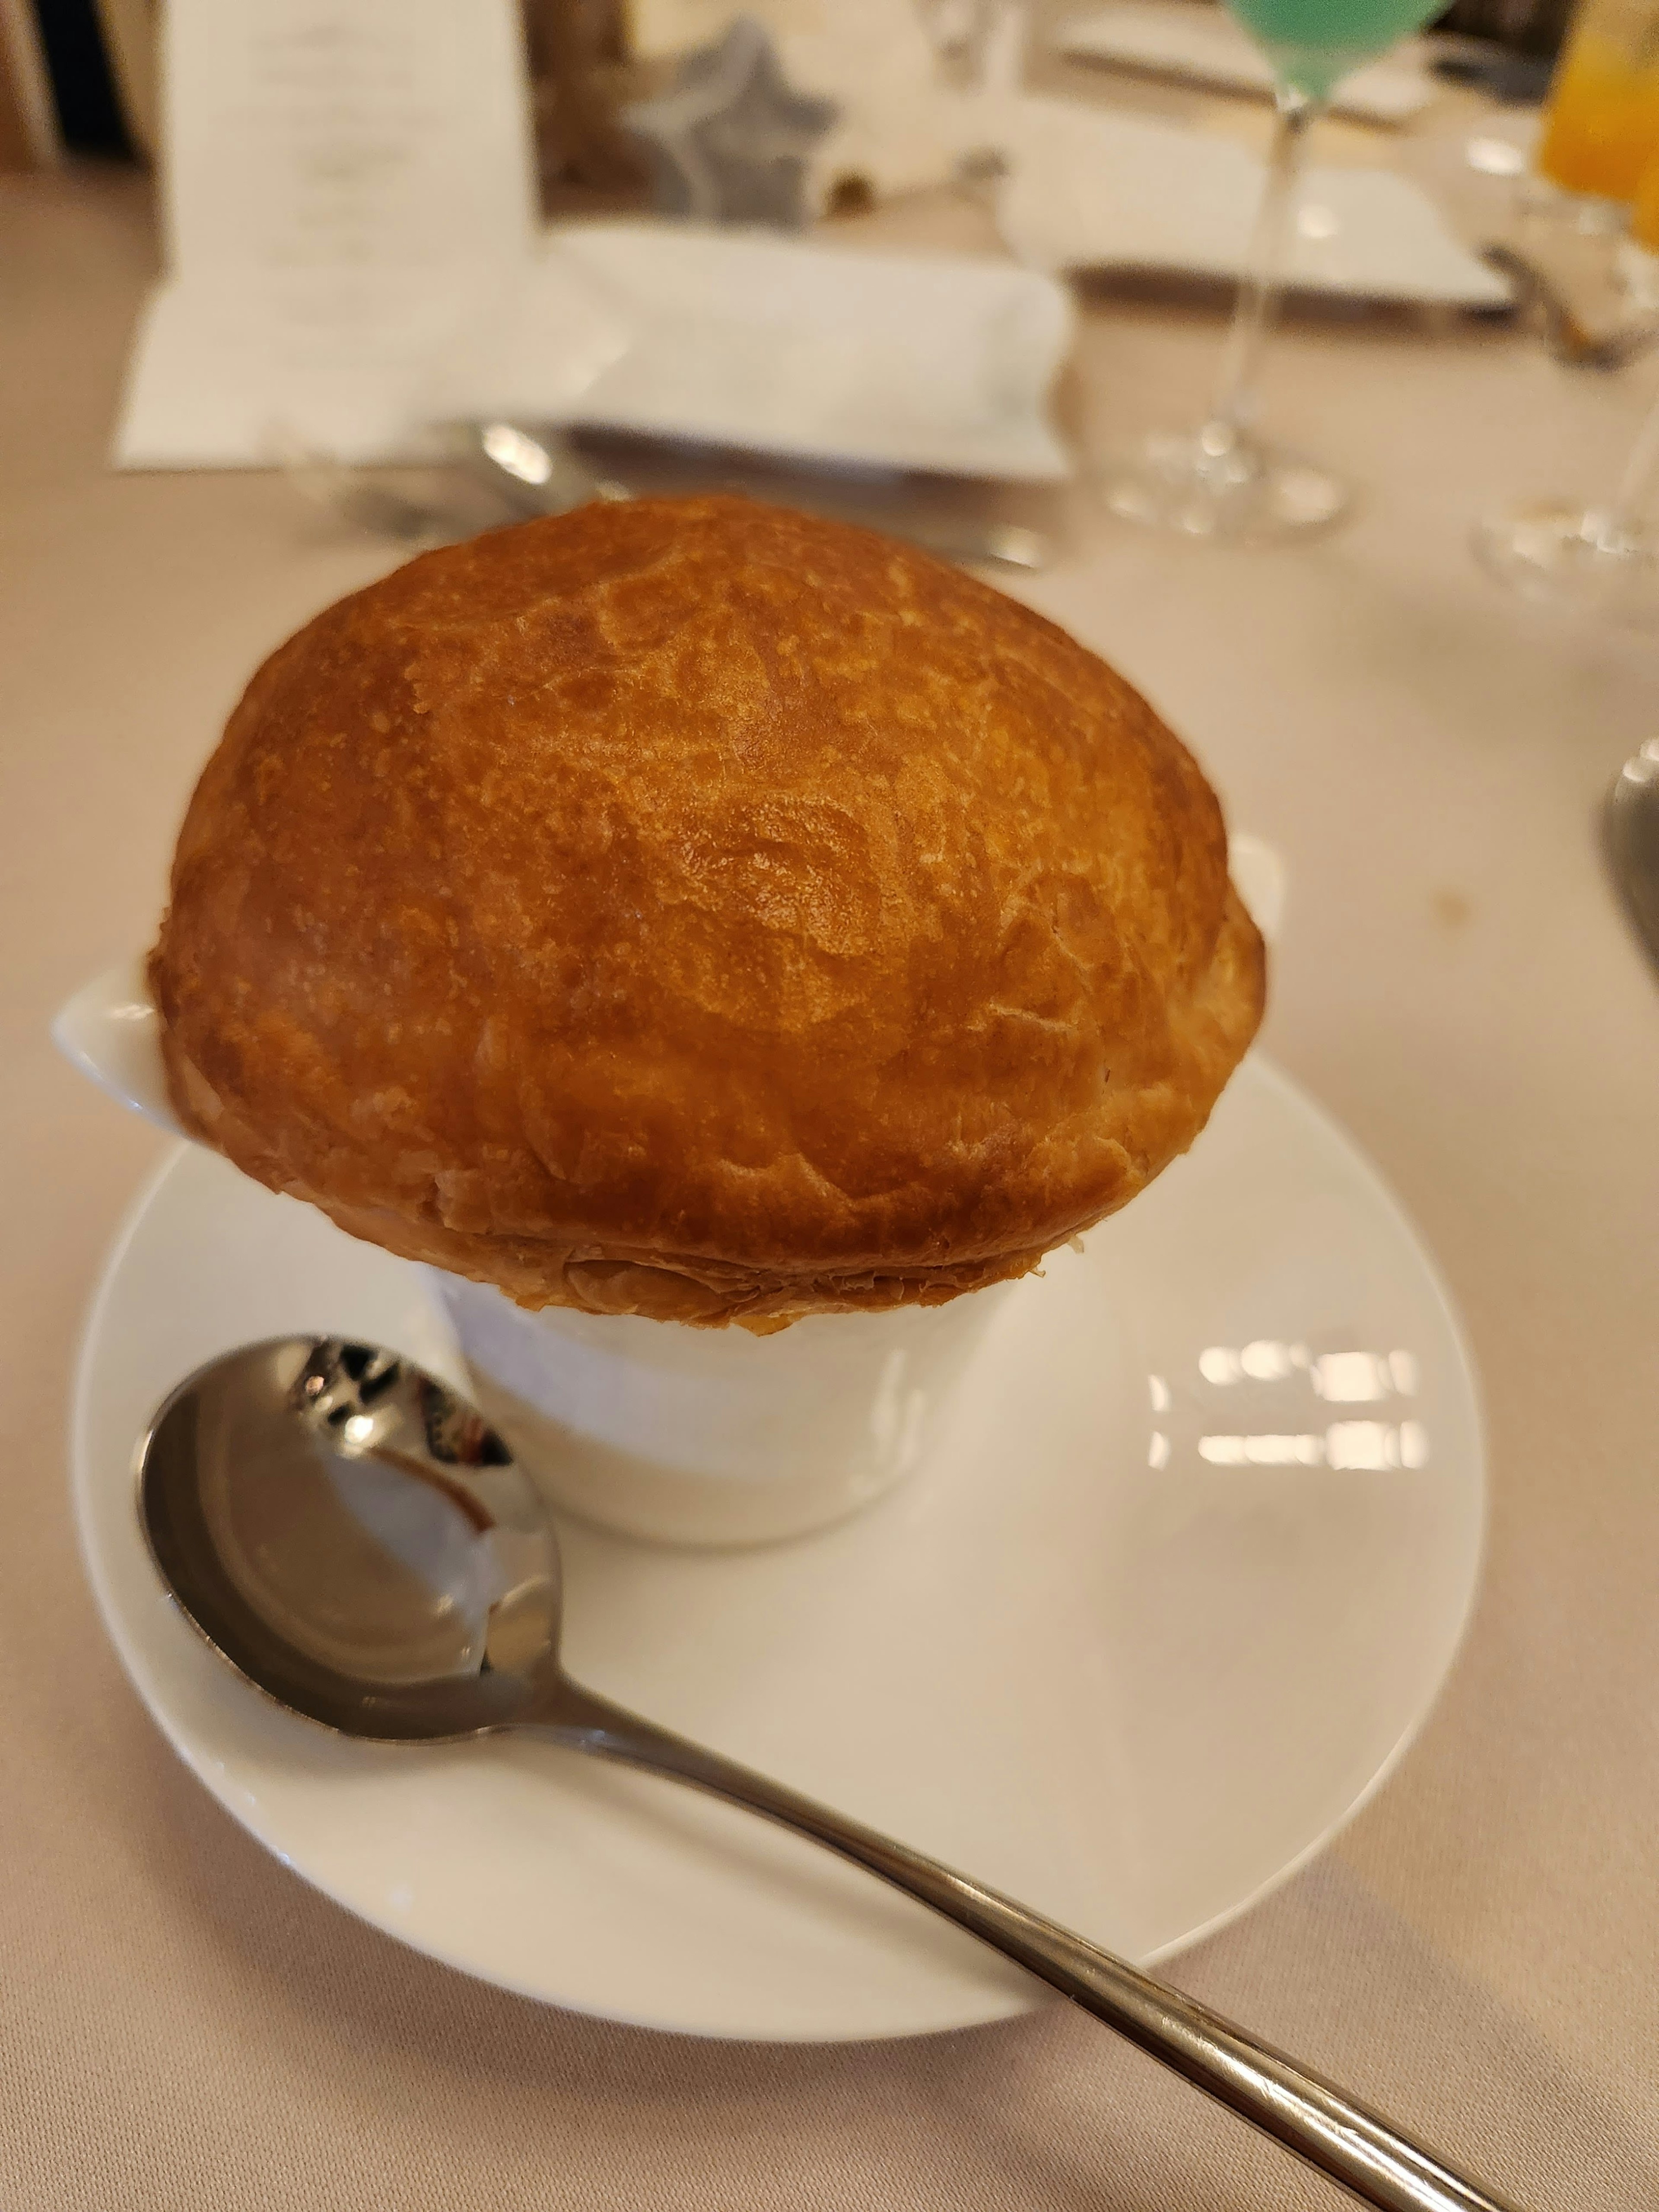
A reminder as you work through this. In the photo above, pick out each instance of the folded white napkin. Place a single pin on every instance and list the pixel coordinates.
(1203, 44)
(796, 346)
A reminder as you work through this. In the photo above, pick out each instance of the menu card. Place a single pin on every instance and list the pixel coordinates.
(349, 205)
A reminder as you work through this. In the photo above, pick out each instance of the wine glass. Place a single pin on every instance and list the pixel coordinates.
(1601, 124)
(1220, 480)
(1602, 557)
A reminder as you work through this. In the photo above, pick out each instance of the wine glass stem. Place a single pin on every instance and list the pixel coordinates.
(1633, 499)
(1233, 410)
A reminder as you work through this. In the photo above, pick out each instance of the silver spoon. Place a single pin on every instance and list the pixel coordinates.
(347, 1532)
(1631, 835)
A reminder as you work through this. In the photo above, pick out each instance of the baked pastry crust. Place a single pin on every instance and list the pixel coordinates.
(689, 908)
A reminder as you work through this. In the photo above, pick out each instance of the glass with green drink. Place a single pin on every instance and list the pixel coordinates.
(1220, 480)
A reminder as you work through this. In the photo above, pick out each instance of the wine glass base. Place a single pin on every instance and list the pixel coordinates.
(1573, 557)
(1226, 489)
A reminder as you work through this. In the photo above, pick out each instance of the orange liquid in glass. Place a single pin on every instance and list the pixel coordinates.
(1602, 129)
(1644, 209)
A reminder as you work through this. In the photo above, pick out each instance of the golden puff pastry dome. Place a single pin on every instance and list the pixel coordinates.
(691, 909)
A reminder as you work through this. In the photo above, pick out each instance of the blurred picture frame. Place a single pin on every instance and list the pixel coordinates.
(131, 31)
(29, 137)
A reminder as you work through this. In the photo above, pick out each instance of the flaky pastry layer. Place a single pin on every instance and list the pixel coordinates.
(689, 908)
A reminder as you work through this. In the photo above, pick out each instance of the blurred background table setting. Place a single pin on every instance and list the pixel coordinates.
(692, 229)
(1301, 358)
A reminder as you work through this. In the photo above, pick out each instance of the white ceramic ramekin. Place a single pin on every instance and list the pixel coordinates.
(700, 1436)
(685, 1436)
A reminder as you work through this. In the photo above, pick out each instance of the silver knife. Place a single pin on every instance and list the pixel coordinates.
(540, 474)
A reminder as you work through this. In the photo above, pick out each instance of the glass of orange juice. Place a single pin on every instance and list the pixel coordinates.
(1602, 125)
(1604, 556)
(1644, 204)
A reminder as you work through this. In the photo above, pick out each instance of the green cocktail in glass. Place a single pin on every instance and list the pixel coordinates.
(1314, 43)
(1220, 480)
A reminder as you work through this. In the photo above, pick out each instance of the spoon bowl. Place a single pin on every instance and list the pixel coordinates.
(349, 1533)
(346, 1531)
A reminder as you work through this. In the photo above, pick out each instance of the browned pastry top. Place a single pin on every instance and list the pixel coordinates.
(689, 908)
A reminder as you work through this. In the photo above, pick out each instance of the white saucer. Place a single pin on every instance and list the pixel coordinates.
(1129, 1646)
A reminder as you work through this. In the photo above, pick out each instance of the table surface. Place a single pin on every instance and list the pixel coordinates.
(183, 2024)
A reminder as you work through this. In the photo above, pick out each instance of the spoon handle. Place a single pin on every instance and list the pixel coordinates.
(1309, 2116)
